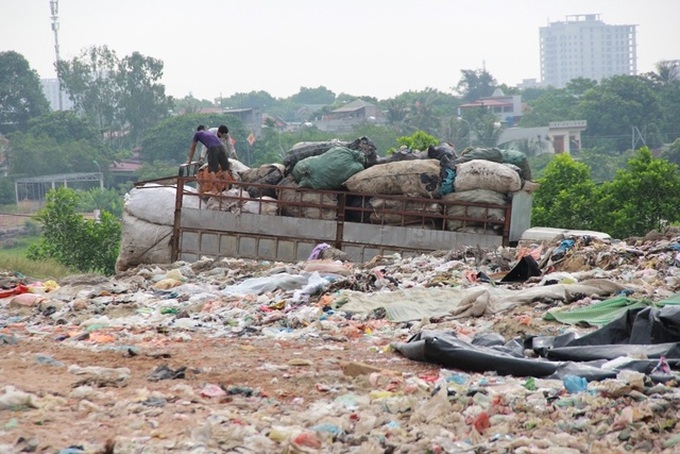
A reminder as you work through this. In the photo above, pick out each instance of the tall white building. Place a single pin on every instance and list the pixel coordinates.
(584, 46)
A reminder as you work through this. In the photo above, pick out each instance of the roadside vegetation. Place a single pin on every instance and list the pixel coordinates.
(13, 260)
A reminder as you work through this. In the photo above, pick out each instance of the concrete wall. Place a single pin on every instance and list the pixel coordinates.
(220, 234)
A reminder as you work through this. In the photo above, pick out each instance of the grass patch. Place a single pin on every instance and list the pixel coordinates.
(13, 259)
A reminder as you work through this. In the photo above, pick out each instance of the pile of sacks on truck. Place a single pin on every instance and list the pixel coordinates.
(439, 174)
(404, 188)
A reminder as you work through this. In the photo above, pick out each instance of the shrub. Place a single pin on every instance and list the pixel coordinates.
(74, 241)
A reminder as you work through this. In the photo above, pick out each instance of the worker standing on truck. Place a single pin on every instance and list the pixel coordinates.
(222, 133)
(217, 152)
(215, 177)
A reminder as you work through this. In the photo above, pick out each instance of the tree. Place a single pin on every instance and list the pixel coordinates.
(419, 140)
(190, 105)
(667, 71)
(565, 197)
(74, 241)
(65, 126)
(579, 85)
(475, 84)
(40, 154)
(603, 164)
(96, 199)
(552, 105)
(615, 107)
(90, 81)
(319, 95)
(672, 153)
(253, 100)
(397, 111)
(21, 96)
(142, 100)
(666, 81)
(122, 97)
(642, 197)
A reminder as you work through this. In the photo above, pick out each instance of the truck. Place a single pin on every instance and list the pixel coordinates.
(286, 226)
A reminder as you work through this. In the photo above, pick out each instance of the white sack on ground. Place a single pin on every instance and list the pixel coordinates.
(143, 242)
(413, 178)
(155, 203)
(483, 174)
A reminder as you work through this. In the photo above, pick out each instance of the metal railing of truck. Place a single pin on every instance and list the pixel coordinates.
(342, 208)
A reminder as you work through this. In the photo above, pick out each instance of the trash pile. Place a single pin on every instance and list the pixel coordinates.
(477, 176)
(570, 345)
(432, 189)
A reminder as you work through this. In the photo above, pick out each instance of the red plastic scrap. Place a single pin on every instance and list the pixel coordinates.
(18, 290)
(481, 422)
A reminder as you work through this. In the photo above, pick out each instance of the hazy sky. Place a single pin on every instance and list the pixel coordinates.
(360, 47)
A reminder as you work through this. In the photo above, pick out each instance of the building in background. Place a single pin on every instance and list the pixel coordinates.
(557, 137)
(51, 90)
(508, 109)
(584, 46)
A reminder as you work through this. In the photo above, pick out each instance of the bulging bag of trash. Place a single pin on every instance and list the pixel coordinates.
(293, 201)
(483, 174)
(264, 205)
(488, 154)
(143, 242)
(518, 158)
(478, 212)
(270, 174)
(329, 170)
(302, 150)
(156, 203)
(413, 178)
(385, 211)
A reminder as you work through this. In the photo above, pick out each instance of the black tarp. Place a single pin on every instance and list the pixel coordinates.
(639, 339)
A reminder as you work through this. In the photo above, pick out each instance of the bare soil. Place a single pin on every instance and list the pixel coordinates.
(282, 372)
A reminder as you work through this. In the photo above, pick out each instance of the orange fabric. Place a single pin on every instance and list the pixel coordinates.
(211, 182)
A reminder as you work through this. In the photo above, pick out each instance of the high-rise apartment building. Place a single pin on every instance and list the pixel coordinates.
(584, 46)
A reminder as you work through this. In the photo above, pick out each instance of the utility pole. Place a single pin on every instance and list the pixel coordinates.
(54, 9)
(640, 137)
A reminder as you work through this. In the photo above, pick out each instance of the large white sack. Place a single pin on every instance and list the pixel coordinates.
(294, 203)
(478, 212)
(264, 205)
(483, 174)
(414, 178)
(156, 203)
(143, 242)
(382, 211)
(236, 167)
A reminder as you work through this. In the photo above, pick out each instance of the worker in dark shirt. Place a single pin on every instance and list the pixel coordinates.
(216, 151)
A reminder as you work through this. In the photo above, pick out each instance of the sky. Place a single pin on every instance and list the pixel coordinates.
(380, 48)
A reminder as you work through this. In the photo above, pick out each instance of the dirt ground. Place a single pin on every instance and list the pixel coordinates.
(283, 372)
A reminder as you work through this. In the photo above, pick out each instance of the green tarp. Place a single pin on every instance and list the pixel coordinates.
(603, 312)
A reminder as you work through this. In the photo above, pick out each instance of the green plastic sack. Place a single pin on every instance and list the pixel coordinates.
(519, 159)
(489, 154)
(329, 170)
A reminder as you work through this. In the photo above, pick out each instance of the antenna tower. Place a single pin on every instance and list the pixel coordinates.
(54, 9)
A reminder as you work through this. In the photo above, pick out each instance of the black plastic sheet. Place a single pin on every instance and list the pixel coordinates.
(640, 338)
